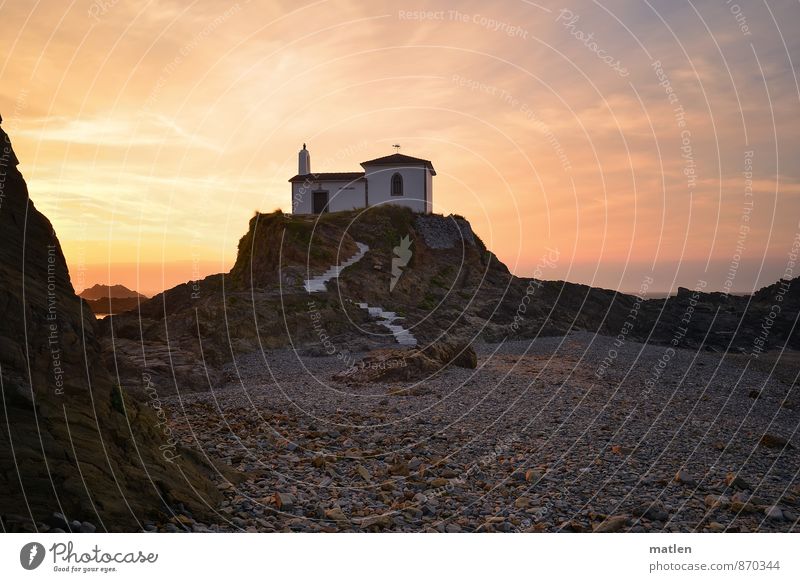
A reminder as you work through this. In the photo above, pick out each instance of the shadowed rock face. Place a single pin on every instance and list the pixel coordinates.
(70, 441)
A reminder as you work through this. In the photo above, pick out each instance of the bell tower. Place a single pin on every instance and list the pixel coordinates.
(303, 162)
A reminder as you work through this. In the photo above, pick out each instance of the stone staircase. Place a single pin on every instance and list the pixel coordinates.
(318, 284)
(385, 318)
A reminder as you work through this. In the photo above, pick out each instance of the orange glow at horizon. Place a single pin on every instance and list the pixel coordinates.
(665, 145)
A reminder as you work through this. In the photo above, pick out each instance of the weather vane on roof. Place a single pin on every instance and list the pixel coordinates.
(396, 147)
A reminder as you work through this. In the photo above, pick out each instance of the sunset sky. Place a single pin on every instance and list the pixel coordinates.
(150, 132)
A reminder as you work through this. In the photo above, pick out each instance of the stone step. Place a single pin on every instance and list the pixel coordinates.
(387, 319)
(318, 284)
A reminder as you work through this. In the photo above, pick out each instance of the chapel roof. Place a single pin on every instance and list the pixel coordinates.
(400, 160)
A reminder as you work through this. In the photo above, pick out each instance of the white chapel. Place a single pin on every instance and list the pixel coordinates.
(395, 179)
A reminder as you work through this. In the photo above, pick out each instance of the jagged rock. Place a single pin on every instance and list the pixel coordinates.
(716, 501)
(336, 514)
(405, 365)
(683, 477)
(738, 506)
(653, 511)
(376, 522)
(58, 520)
(533, 475)
(309, 245)
(452, 353)
(444, 232)
(284, 501)
(105, 299)
(736, 482)
(399, 469)
(774, 513)
(61, 404)
(99, 291)
(522, 503)
(772, 441)
(363, 473)
(612, 524)
(573, 526)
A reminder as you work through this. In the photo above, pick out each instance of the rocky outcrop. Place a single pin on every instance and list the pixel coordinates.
(398, 365)
(279, 246)
(71, 441)
(111, 299)
(749, 325)
(432, 273)
(99, 291)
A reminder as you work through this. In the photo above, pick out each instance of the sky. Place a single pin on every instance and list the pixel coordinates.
(638, 145)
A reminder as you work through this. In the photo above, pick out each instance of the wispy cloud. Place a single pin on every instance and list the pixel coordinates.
(114, 132)
(136, 115)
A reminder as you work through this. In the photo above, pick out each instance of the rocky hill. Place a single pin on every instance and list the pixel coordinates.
(99, 291)
(432, 271)
(111, 299)
(72, 442)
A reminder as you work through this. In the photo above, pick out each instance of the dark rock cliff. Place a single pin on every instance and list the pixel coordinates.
(70, 440)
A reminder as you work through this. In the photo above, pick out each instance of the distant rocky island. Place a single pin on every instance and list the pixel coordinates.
(99, 291)
(111, 299)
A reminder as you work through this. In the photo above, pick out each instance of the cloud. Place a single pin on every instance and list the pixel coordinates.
(136, 116)
(114, 132)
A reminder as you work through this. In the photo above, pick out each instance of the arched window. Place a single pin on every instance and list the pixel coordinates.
(397, 185)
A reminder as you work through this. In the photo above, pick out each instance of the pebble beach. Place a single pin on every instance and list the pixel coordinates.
(548, 435)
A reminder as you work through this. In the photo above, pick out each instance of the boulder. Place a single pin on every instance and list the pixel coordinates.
(736, 482)
(772, 441)
(612, 524)
(395, 364)
(683, 477)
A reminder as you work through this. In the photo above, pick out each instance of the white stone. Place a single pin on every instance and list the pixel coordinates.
(319, 283)
(774, 513)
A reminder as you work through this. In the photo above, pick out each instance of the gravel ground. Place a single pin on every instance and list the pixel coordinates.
(562, 434)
